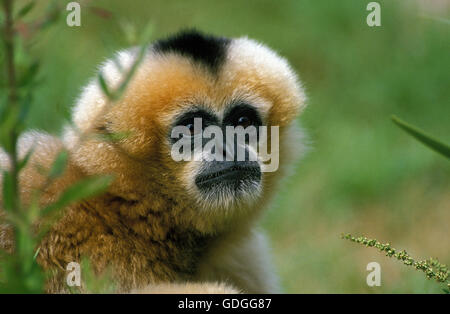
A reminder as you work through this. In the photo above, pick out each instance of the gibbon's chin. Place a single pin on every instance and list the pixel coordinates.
(229, 185)
(229, 197)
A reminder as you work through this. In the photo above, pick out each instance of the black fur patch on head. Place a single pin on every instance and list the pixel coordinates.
(205, 49)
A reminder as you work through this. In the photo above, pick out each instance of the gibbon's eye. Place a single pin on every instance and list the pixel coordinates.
(243, 115)
(244, 121)
(190, 127)
(196, 115)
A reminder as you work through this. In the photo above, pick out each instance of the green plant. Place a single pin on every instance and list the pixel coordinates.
(424, 138)
(19, 271)
(432, 268)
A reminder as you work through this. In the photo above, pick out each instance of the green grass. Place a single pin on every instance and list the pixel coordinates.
(363, 175)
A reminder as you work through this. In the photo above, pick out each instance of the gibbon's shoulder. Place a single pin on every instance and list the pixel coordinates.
(44, 149)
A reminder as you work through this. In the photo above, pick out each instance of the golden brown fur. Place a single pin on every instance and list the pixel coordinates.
(148, 228)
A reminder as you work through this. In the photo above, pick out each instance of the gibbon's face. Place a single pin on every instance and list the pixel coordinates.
(188, 87)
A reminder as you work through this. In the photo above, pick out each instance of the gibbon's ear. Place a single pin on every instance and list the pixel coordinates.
(187, 288)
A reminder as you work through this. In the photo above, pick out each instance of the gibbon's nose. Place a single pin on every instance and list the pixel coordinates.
(223, 172)
(227, 151)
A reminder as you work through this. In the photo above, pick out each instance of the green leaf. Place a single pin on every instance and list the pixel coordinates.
(114, 137)
(421, 136)
(52, 14)
(25, 9)
(22, 163)
(81, 190)
(146, 34)
(8, 191)
(129, 31)
(25, 106)
(140, 56)
(29, 75)
(104, 86)
(59, 165)
(36, 253)
(8, 132)
(117, 63)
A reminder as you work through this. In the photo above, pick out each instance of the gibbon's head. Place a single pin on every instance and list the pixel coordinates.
(183, 80)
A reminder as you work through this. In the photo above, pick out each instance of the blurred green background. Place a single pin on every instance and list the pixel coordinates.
(363, 174)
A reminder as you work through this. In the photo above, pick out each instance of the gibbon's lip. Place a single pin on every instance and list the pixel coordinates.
(234, 173)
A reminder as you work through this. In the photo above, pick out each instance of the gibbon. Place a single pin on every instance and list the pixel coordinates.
(166, 226)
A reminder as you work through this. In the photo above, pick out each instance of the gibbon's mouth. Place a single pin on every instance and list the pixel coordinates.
(228, 173)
